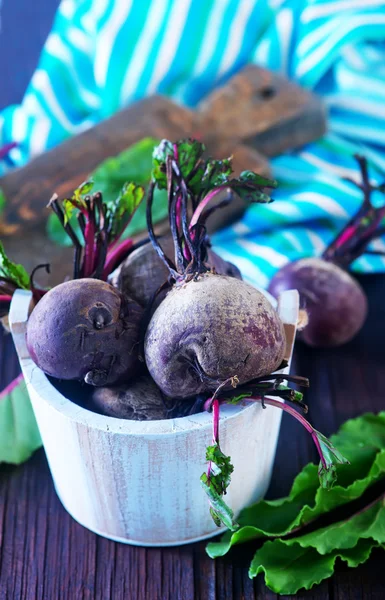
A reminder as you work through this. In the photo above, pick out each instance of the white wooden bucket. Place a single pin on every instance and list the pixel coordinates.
(138, 482)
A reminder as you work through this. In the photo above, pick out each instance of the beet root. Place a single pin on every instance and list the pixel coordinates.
(140, 400)
(143, 272)
(208, 330)
(85, 329)
(335, 302)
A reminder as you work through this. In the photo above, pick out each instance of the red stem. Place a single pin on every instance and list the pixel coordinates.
(5, 298)
(297, 416)
(114, 257)
(204, 202)
(89, 248)
(361, 229)
(216, 421)
(285, 407)
(215, 407)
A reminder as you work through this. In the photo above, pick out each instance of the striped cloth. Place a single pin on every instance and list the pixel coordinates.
(102, 55)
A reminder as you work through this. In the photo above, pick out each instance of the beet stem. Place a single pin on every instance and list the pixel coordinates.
(36, 292)
(215, 407)
(314, 434)
(89, 240)
(361, 229)
(116, 255)
(174, 216)
(205, 201)
(170, 266)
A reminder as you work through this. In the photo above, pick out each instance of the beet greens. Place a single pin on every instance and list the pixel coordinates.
(218, 476)
(101, 224)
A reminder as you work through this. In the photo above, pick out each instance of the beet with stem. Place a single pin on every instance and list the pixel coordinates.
(85, 329)
(335, 302)
(210, 327)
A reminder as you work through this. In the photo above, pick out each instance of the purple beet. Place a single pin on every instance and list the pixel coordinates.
(335, 302)
(85, 329)
(210, 329)
(139, 400)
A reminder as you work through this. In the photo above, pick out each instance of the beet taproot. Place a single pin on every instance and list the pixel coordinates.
(85, 329)
(208, 330)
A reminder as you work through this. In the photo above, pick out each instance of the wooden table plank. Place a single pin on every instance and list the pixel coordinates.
(45, 555)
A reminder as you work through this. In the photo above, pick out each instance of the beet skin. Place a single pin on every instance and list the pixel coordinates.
(85, 329)
(335, 302)
(143, 272)
(139, 400)
(208, 330)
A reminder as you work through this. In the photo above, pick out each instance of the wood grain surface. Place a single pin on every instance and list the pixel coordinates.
(235, 112)
(45, 555)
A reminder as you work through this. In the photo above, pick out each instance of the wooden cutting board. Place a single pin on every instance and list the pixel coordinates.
(255, 115)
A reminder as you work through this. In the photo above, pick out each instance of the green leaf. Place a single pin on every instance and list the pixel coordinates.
(12, 271)
(133, 164)
(159, 158)
(249, 186)
(217, 173)
(221, 468)
(257, 180)
(123, 208)
(19, 434)
(216, 486)
(68, 209)
(219, 510)
(327, 473)
(189, 152)
(289, 568)
(2, 200)
(84, 189)
(361, 441)
(369, 523)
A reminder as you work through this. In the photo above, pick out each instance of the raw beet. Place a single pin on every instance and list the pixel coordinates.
(143, 272)
(208, 330)
(85, 329)
(139, 400)
(336, 304)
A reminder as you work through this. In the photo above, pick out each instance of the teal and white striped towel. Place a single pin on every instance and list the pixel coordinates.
(104, 54)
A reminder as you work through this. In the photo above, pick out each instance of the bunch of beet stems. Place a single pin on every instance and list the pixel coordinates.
(101, 252)
(189, 234)
(364, 227)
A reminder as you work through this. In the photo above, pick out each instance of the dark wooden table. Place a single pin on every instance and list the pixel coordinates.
(44, 554)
